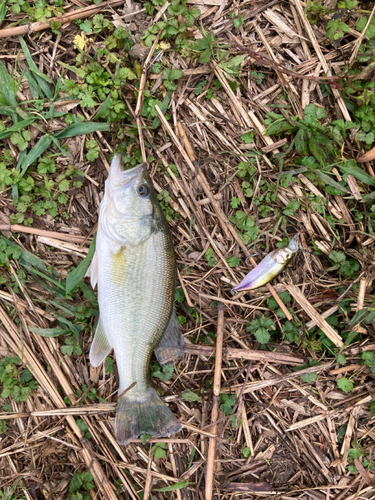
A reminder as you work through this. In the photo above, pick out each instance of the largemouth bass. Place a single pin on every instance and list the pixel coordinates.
(135, 269)
(270, 267)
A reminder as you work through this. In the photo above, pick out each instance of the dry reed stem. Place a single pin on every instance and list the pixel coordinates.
(16, 228)
(315, 316)
(320, 55)
(256, 386)
(223, 219)
(65, 18)
(22, 350)
(248, 354)
(138, 109)
(216, 403)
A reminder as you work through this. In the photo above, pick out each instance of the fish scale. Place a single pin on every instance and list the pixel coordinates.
(134, 267)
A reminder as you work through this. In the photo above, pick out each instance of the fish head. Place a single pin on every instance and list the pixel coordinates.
(131, 208)
(284, 255)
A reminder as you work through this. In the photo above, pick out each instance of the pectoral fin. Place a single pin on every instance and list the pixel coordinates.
(100, 347)
(93, 271)
(171, 345)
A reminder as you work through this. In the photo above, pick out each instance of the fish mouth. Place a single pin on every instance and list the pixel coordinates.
(117, 169)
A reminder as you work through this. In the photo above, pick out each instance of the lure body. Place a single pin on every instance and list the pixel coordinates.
(270, 267)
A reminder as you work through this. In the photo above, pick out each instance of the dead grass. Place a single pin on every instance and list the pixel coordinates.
(297, 434)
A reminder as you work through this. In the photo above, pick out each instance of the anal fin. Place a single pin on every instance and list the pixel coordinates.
(171, 345)
(100, 347)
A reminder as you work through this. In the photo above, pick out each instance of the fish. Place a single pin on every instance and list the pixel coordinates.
(134, 268)
(270, 267)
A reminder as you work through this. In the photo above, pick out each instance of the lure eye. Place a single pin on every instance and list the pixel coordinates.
(143, 190)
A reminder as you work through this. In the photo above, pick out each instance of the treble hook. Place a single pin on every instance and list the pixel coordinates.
(253, 255)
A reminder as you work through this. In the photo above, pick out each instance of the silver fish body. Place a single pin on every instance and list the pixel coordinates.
(270, 267)
(134, 267)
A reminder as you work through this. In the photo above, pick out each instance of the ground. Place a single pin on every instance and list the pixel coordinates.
(257, 121)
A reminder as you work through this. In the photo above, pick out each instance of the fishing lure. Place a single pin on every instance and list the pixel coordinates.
(270, 267)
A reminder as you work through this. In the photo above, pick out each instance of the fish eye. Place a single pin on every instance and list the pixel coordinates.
(143, 190)
(287, 255)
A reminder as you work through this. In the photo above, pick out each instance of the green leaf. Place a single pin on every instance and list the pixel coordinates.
(20, 139)
(278, 127)
(327, 179)
(361, 24)
(205, 56)
(228, 400)
(246, 452)
(41, 79)
(8, 91)
(67, 349)
(291, 208)
(238, 21)
(191, 396)
(247, 137)
(233, 261)
(163, 108)
(109, 365)
(262, 335)
(158, 450)
(75, 276)
(165, 374)
(345, 384)
(48, 332)
(3, 11)
(285, 298)
(75, 483)
(26, 257)
(103, 108)
(372, 407)
(17, 126)
(309, 378)
(82, 425)
(144, 438)
(350, 167)
(82, 128)
(176, 486)
(179, 295)
(39, 148)
(357, 319)
(354, 453)
(341, 359)
(368, 358)
(336, 29)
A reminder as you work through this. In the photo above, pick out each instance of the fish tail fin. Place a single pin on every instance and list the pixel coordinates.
(144, 414)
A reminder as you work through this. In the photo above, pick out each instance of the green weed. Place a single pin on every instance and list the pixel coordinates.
(79, 485)
(16, 382)
(158, 450)
(165, 199)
